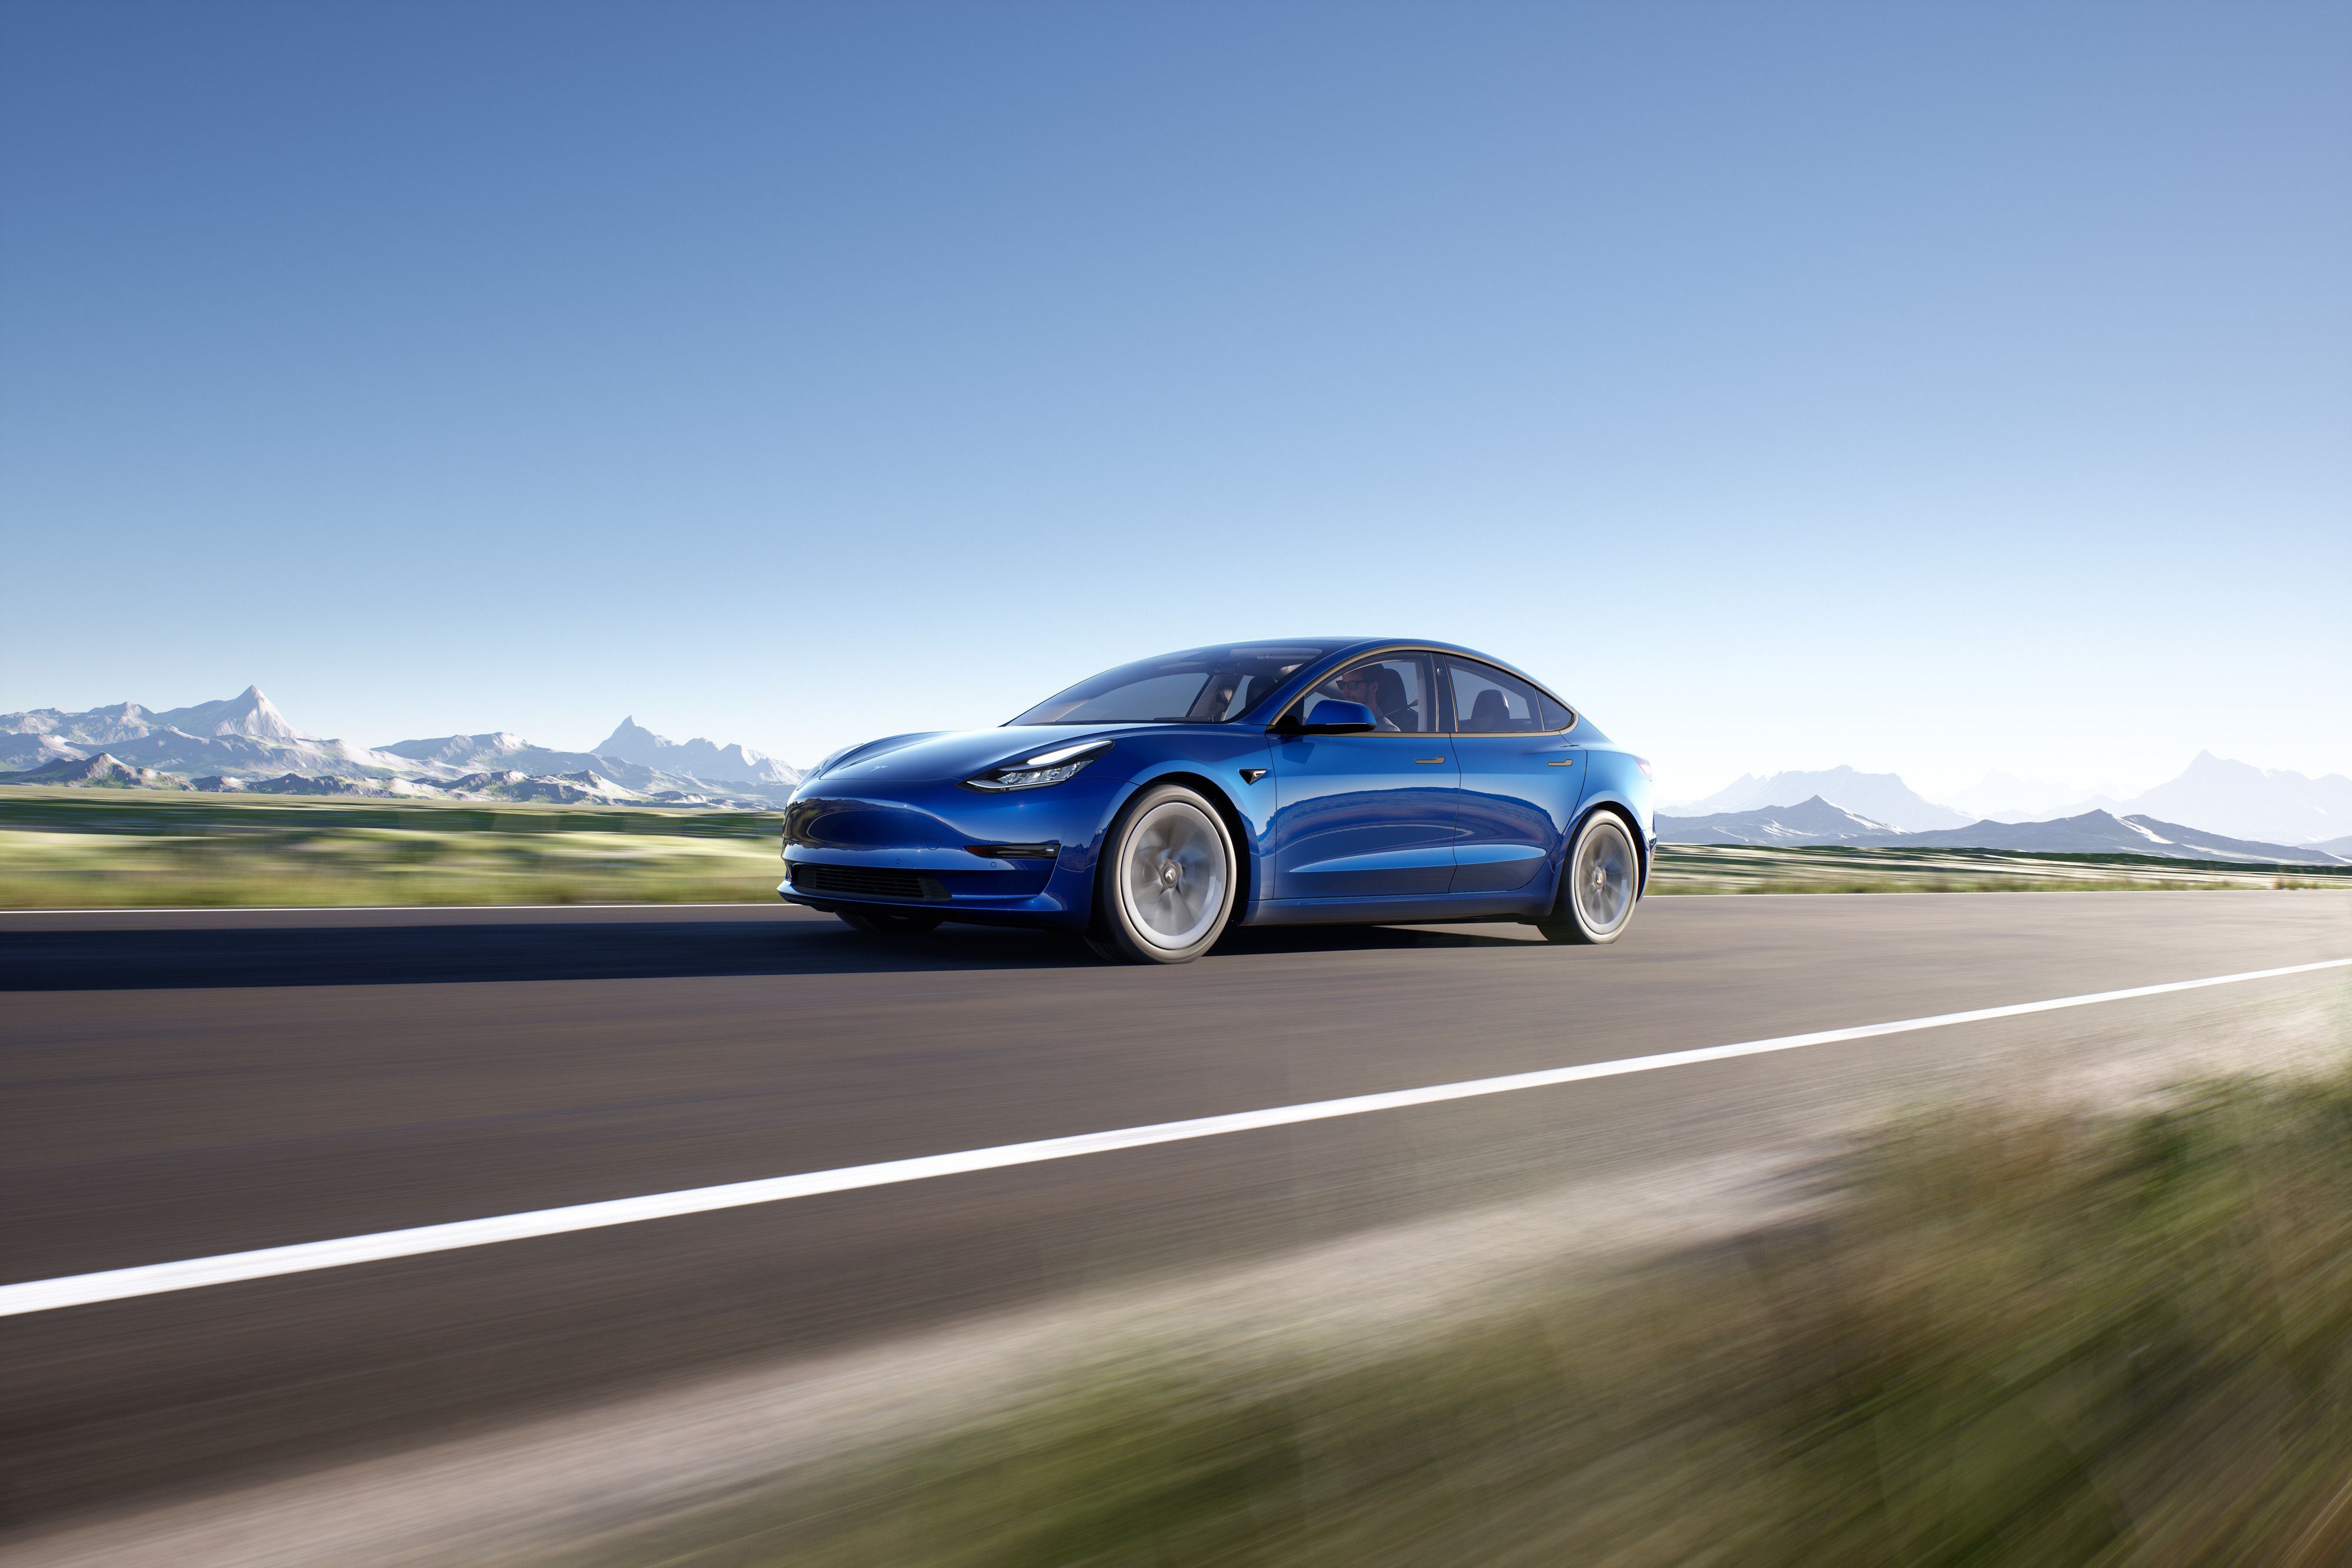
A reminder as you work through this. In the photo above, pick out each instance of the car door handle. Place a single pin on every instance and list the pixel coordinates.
(1563, 762)
(1429, 759)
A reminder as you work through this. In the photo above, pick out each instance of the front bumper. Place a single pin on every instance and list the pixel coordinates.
(1043, 911)
(1013, 890)
(1015, 859)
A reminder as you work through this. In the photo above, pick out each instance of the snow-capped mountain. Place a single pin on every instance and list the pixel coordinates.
(2104, 833)
(461, 750)
(248, 714)
(244, 743)
(2272, 804)
(682, 770)
(1813, 822)
(99, 726)
(243, 735)
(26, 749)
(1881, 796)
(2234, 800)
(697, 758)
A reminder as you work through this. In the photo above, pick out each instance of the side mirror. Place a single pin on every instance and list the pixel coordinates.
(1332, 717)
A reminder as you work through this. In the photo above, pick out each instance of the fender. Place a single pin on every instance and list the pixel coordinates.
(1614, 780)
(1204, 765)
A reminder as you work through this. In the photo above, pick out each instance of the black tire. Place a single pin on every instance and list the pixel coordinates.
(1599, 884)
(1164, 892)
(890, 925)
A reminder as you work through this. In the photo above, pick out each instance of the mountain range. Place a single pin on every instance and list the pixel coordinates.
(1817, 821)
(2237, 799)
(1810, 821)
(1883, 797)
(632, 742)
(2252, 802)
(243, 742)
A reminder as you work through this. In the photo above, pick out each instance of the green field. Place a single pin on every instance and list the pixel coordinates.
(63, 849)
(68, 848)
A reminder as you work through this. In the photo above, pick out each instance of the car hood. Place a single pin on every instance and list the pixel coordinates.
(954, 754)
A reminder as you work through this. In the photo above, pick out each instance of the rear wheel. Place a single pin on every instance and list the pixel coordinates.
(1597, 889)
(890, 925)
(1166, 887)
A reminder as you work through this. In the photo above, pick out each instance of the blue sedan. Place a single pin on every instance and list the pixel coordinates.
(1301, 781)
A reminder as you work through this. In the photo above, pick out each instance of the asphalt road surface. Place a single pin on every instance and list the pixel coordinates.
(179, 1085)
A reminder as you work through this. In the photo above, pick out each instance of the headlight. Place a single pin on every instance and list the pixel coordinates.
(1045, 767)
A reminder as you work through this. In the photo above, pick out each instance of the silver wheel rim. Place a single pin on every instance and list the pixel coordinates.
(1604, 878)
(1171, 876)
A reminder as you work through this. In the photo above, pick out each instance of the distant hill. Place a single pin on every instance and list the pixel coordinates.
(2102, 833)
(2235, 800)
(27, 749)
(297, 784)
(1881, 796)
(1816, 822)
(2266, 803)
(1813, 822)
(99, 772)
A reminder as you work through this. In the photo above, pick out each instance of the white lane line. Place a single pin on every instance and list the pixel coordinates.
(153, 1279)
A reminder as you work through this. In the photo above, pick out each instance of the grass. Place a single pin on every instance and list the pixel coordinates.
(63, 849)
(1831, 868)
(74, 849)
(2011, 1339)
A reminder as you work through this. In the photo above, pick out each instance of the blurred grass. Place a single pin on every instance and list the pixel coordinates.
(2009, 1339)
(1837, 868)
(63, 849)
(74, 849)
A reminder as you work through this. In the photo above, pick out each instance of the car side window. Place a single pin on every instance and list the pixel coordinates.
(1488, 701)
(1396, 687)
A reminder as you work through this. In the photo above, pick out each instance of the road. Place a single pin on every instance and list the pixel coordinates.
(179, 1085)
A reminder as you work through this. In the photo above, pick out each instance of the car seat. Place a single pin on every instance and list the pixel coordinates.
(1393, 706)
(1491, 713)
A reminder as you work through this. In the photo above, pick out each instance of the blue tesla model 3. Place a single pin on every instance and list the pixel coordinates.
(1308, 780)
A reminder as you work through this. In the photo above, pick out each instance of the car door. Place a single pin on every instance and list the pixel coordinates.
(1522, 775)
(1367, 815)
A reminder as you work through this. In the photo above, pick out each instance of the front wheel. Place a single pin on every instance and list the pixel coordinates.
(890, 925)
(1166, 888)
(1597, 889)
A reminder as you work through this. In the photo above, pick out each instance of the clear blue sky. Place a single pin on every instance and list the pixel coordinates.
(1926, 388)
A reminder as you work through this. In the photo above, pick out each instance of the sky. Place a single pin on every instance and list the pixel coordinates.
(1931, 388)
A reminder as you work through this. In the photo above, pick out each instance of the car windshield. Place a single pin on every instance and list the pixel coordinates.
(1200, 685)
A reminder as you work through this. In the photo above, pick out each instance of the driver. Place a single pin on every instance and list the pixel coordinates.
(1362, 685)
